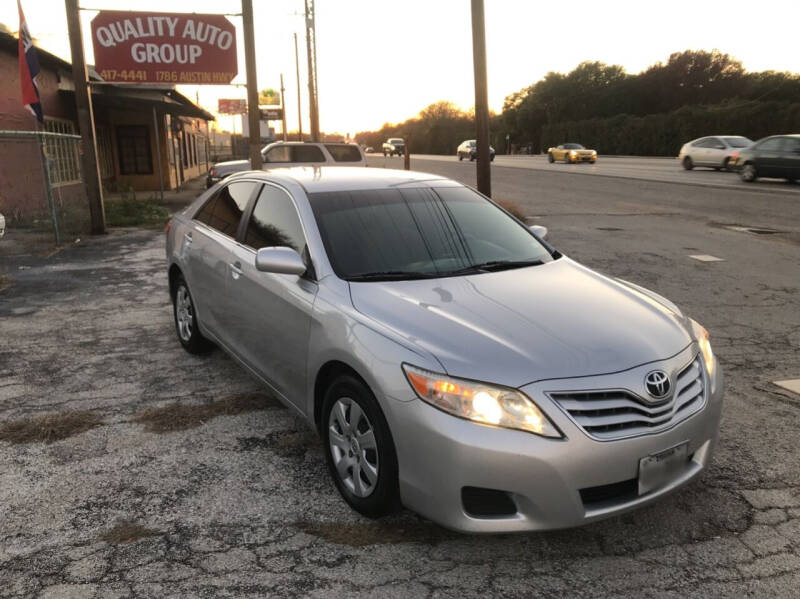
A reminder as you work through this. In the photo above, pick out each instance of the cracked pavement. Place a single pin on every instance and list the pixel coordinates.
(241, 505)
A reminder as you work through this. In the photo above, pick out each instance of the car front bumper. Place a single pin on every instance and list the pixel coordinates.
(439, 455)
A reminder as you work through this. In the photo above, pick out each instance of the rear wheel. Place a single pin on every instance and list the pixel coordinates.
(687, 163)
(749, 173)
(359, 448)
(186, 320)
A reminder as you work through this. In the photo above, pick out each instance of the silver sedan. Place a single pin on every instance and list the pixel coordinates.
(452, 360)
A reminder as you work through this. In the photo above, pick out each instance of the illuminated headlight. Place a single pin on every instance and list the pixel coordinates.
(594, 152)
(480, 402)
(704, 342)
(573, 153)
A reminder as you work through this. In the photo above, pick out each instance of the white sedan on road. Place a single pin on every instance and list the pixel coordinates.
(714, 151)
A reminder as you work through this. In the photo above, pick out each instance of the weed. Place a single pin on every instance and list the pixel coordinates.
(127, 532)
(49, 427)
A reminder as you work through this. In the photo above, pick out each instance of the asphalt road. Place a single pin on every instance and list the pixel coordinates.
(665, 170)
(229, 490)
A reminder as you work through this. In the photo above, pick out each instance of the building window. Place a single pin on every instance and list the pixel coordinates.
(134, 150)
(62, 154)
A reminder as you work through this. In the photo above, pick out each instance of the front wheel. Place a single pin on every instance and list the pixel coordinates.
(359, 449)
(186, 320)
(749, 173)
(567, 159)
(460, 157)
(687, 163)
(550, 158)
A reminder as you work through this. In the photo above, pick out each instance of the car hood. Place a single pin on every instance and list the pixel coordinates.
(514, 327)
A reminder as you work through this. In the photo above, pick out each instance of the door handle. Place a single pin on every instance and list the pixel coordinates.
(187, 237)
(236, 269)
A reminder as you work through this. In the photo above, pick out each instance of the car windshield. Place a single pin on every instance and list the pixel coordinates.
(573, 147)
(737, 142)
(420, 232)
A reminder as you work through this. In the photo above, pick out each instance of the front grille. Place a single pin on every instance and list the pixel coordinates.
(617, 413)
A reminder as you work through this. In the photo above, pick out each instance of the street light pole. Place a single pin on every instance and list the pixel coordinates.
(283, 109)
(253, 115)
(481, 98)
(299, 106)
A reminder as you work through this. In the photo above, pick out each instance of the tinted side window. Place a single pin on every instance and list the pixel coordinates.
(278, 154)
(307, 154)
(792, 145)
(224, 211)
(771, 145)
(701, 143)
(275, 222)
(344, 152)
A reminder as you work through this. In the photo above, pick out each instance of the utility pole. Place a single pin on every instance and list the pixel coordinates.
(311, 49)
(299, 106)
(283, 109)
(90, 168)
(481, 98)
(253, 114)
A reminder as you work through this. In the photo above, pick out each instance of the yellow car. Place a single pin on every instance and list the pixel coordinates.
(571, 153)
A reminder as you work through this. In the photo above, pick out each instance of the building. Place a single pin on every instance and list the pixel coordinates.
(149, 137)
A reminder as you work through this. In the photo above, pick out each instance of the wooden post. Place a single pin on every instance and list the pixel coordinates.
(312, 83)
(406, 154)
(253, 115)
(299, 106)
(283, 110)
(90, 167)
(481, 100)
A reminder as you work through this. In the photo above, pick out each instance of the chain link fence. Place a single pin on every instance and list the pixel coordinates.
(41, 187)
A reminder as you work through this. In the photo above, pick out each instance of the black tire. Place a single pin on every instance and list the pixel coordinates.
(472, 157)
(384, 498)
(190, 336)
(567, 159)
(687, 163)
(726, 164)
(491, 158)
(749, 173)
(460, 157)
(550, 158)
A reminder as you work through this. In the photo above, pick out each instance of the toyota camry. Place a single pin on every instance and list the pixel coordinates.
(453, 361)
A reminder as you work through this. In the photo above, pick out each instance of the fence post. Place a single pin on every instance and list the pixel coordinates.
(48, 189)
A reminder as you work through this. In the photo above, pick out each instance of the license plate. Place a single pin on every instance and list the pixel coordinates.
(658, 469)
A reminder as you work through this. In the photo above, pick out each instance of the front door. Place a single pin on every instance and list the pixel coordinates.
(768, 157)
(272, 311)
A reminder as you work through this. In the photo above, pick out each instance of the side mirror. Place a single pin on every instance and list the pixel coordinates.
(280, 260)
(539, 231)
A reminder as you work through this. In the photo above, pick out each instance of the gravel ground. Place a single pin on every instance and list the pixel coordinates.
(170, 475)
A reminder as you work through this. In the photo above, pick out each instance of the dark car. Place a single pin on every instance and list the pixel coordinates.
(775, 156)
(469, 149)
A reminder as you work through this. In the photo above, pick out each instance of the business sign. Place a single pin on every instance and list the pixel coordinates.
(169, 48)
(231, 106)
(271, 114)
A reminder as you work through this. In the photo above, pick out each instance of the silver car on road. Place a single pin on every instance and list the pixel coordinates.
(452, 360)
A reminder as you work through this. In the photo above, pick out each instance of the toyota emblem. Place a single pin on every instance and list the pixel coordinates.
(657, 384)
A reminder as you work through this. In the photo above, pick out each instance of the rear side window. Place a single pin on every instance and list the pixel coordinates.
(344, 152)
(278, 154)
(792, 145)
(771, 145)
(224, 211)
(274, 222)
(307, 154)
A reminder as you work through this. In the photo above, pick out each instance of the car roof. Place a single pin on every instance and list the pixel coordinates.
(341, 178)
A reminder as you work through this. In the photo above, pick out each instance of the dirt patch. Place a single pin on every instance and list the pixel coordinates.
(376, 533)
(285, 444)
(513, 208)
(183, 416)
(127, 532)
(48, 427)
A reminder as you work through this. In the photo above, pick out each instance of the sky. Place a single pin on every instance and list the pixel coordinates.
(384, 60)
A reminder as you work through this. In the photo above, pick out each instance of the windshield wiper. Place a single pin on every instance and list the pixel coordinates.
(392, 275)
(496, 265)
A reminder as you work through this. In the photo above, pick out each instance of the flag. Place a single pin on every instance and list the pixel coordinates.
(28, 69)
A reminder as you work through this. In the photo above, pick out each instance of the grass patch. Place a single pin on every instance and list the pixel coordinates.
(48, 428)
(130, 212)
(127, 532)
(183, 416)
(513, 208)
(376, 533)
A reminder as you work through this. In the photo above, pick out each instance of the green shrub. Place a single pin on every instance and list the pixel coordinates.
(135, 213)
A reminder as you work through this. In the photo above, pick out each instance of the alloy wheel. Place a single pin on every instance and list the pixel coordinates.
(184, 313)
(351, 439)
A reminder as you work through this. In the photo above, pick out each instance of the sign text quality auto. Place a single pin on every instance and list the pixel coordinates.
(146, 47)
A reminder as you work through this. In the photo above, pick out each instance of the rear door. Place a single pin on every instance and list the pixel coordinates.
(208, 250)
(716, 151)
(271, 313)
(768, 157)
(700, 151)
(790, 159)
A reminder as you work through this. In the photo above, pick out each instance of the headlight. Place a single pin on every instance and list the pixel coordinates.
(573, 153)
(594, 152)
(480, 402)
(704, 342)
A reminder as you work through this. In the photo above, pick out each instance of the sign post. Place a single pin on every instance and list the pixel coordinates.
(90, 168)
(256, 162)
(481, 98)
